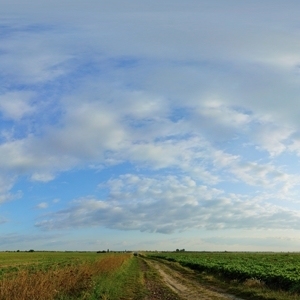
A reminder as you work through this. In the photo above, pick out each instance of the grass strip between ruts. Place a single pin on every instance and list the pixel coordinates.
(124, 283)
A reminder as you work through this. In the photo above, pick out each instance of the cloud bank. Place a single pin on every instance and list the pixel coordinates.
(188, 113)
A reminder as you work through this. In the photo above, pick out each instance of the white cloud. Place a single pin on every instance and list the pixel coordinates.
(13, 156)
(169, 204)
(44, 177)
(31, 56)
(109, 132)
(42, 205)
(220, 120)
(273, 139)
(193, 90)
(14, 105)
(6, 184)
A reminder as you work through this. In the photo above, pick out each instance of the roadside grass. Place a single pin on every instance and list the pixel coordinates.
(251, 289)
(255, 275)
(134, 280)
(124, 283)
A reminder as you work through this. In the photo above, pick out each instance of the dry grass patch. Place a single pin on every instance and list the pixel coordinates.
(254, 283)
(68, 281)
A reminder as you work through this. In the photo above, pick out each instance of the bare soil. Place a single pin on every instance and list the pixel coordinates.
(182, 284)
(156, 288)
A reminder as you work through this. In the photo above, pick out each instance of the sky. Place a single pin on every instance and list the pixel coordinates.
(150, 125)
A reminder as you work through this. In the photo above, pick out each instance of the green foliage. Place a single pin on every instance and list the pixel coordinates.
(276, 270)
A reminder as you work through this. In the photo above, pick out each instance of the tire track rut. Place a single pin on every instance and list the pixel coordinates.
(185, 285)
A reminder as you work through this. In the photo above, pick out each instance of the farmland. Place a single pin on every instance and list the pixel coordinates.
(277, 271)
(78, 275)
(164, 275)
(59, 275)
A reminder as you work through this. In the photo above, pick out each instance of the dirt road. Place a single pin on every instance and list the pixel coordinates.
(183, 283)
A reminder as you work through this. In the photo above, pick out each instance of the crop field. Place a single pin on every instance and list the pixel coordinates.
(147, 276)
(79, 275)
(61, 275)
(280, 271)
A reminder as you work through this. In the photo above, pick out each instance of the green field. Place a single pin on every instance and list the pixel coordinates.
(123, 276)
(65, 275)
(11, 262)
(276, 270)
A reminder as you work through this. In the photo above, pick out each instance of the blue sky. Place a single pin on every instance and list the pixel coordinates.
(150, 125)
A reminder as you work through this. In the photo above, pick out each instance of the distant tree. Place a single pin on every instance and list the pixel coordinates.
(31, 250)
(177, 250)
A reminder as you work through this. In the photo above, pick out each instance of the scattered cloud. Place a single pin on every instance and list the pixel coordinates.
(187, 113)
(169, 204)
(6, 184)
(15, 105)
(42, 205)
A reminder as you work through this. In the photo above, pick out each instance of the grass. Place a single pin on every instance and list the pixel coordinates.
(113, 276)
(70, 276)
(253, 289)
(89, 276)
(46, 285)
(125, 283)
(12, 262)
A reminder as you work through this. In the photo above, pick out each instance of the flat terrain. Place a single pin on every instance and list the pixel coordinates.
(230, 275)
(124, 276)
(184, 283)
